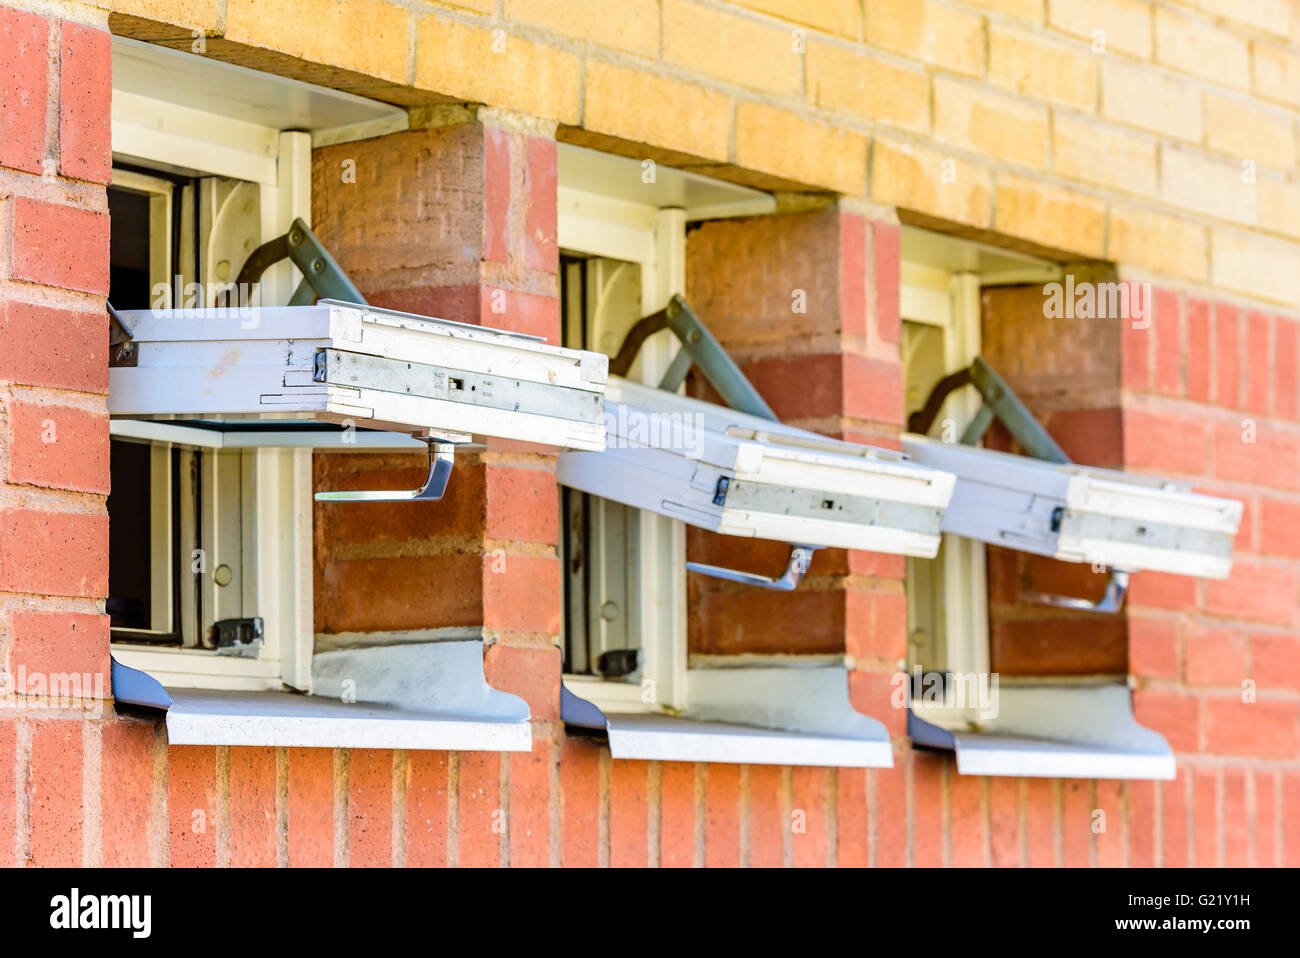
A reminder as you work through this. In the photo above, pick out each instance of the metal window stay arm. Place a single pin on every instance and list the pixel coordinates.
(1001, 402)
(701, 348)
(323, 278)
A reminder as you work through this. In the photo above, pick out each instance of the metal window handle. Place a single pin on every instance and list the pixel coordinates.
(800, 559)
(1112, 600)
(435, 484)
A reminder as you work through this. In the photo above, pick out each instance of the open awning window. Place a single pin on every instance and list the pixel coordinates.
(730, 472)
(1081, 514)
(1052, 507)
(1044, 504)
(429, 695)
(348, 363)
(749, 715)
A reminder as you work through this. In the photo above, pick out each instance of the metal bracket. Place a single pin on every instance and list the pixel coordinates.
(701, 348)
(800, 559)
(1112, 600)
(435, 484)
(322, 277)
(121, 340)
(1001, 401)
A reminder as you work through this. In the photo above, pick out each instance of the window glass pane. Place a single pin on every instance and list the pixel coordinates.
(129, 515)
(600, 299)
(129, 282)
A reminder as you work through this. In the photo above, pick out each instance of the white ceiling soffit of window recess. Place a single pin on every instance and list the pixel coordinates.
(161, 94)
(944, 255)
(607, 192)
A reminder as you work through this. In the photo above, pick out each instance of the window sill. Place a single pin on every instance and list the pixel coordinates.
(752, 716)
(1051, 731)
(203, 717)
(426, 695)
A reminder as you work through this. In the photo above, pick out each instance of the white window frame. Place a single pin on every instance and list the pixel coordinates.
(955, 583)
(654, 240)
(275, 508)
(186, 114)
(621, 209)
(939, 287)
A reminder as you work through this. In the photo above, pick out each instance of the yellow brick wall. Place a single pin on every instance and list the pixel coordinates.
(1162, 135)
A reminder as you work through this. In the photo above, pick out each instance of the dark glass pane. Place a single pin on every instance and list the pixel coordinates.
(128, 250)
(129, 510)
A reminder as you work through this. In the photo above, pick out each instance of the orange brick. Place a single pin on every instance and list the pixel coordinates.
(192, 805)
(1272, 459)
(1216, 656)
(1173, 715)
(1141, 823)
(809, 800)
(1005, 842)
(525, 597)
(58, 447)
(53, 553)
(580, 821)
(426, 809)
(722, 816)
(628, 813)
(1152, 647)
(1040, 823)
(530, 806)
(53, 347)
(1273, 659)
(1208, 820)
(311, 807)
(127, 803)
(892, 842)
(523, 505)
(1110, 843)
(677, 815)
(967, 821)
(531, 673)
(852, 839)
(56, 804)
(1157, 441)
(768, 820)
(50, 644)
(1076, 824)
(1263, 593)
(1176, 832)
(1265, 729)
(252, 808)
(480, 810)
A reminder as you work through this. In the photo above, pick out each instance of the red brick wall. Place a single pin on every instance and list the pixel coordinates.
(54, 164)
